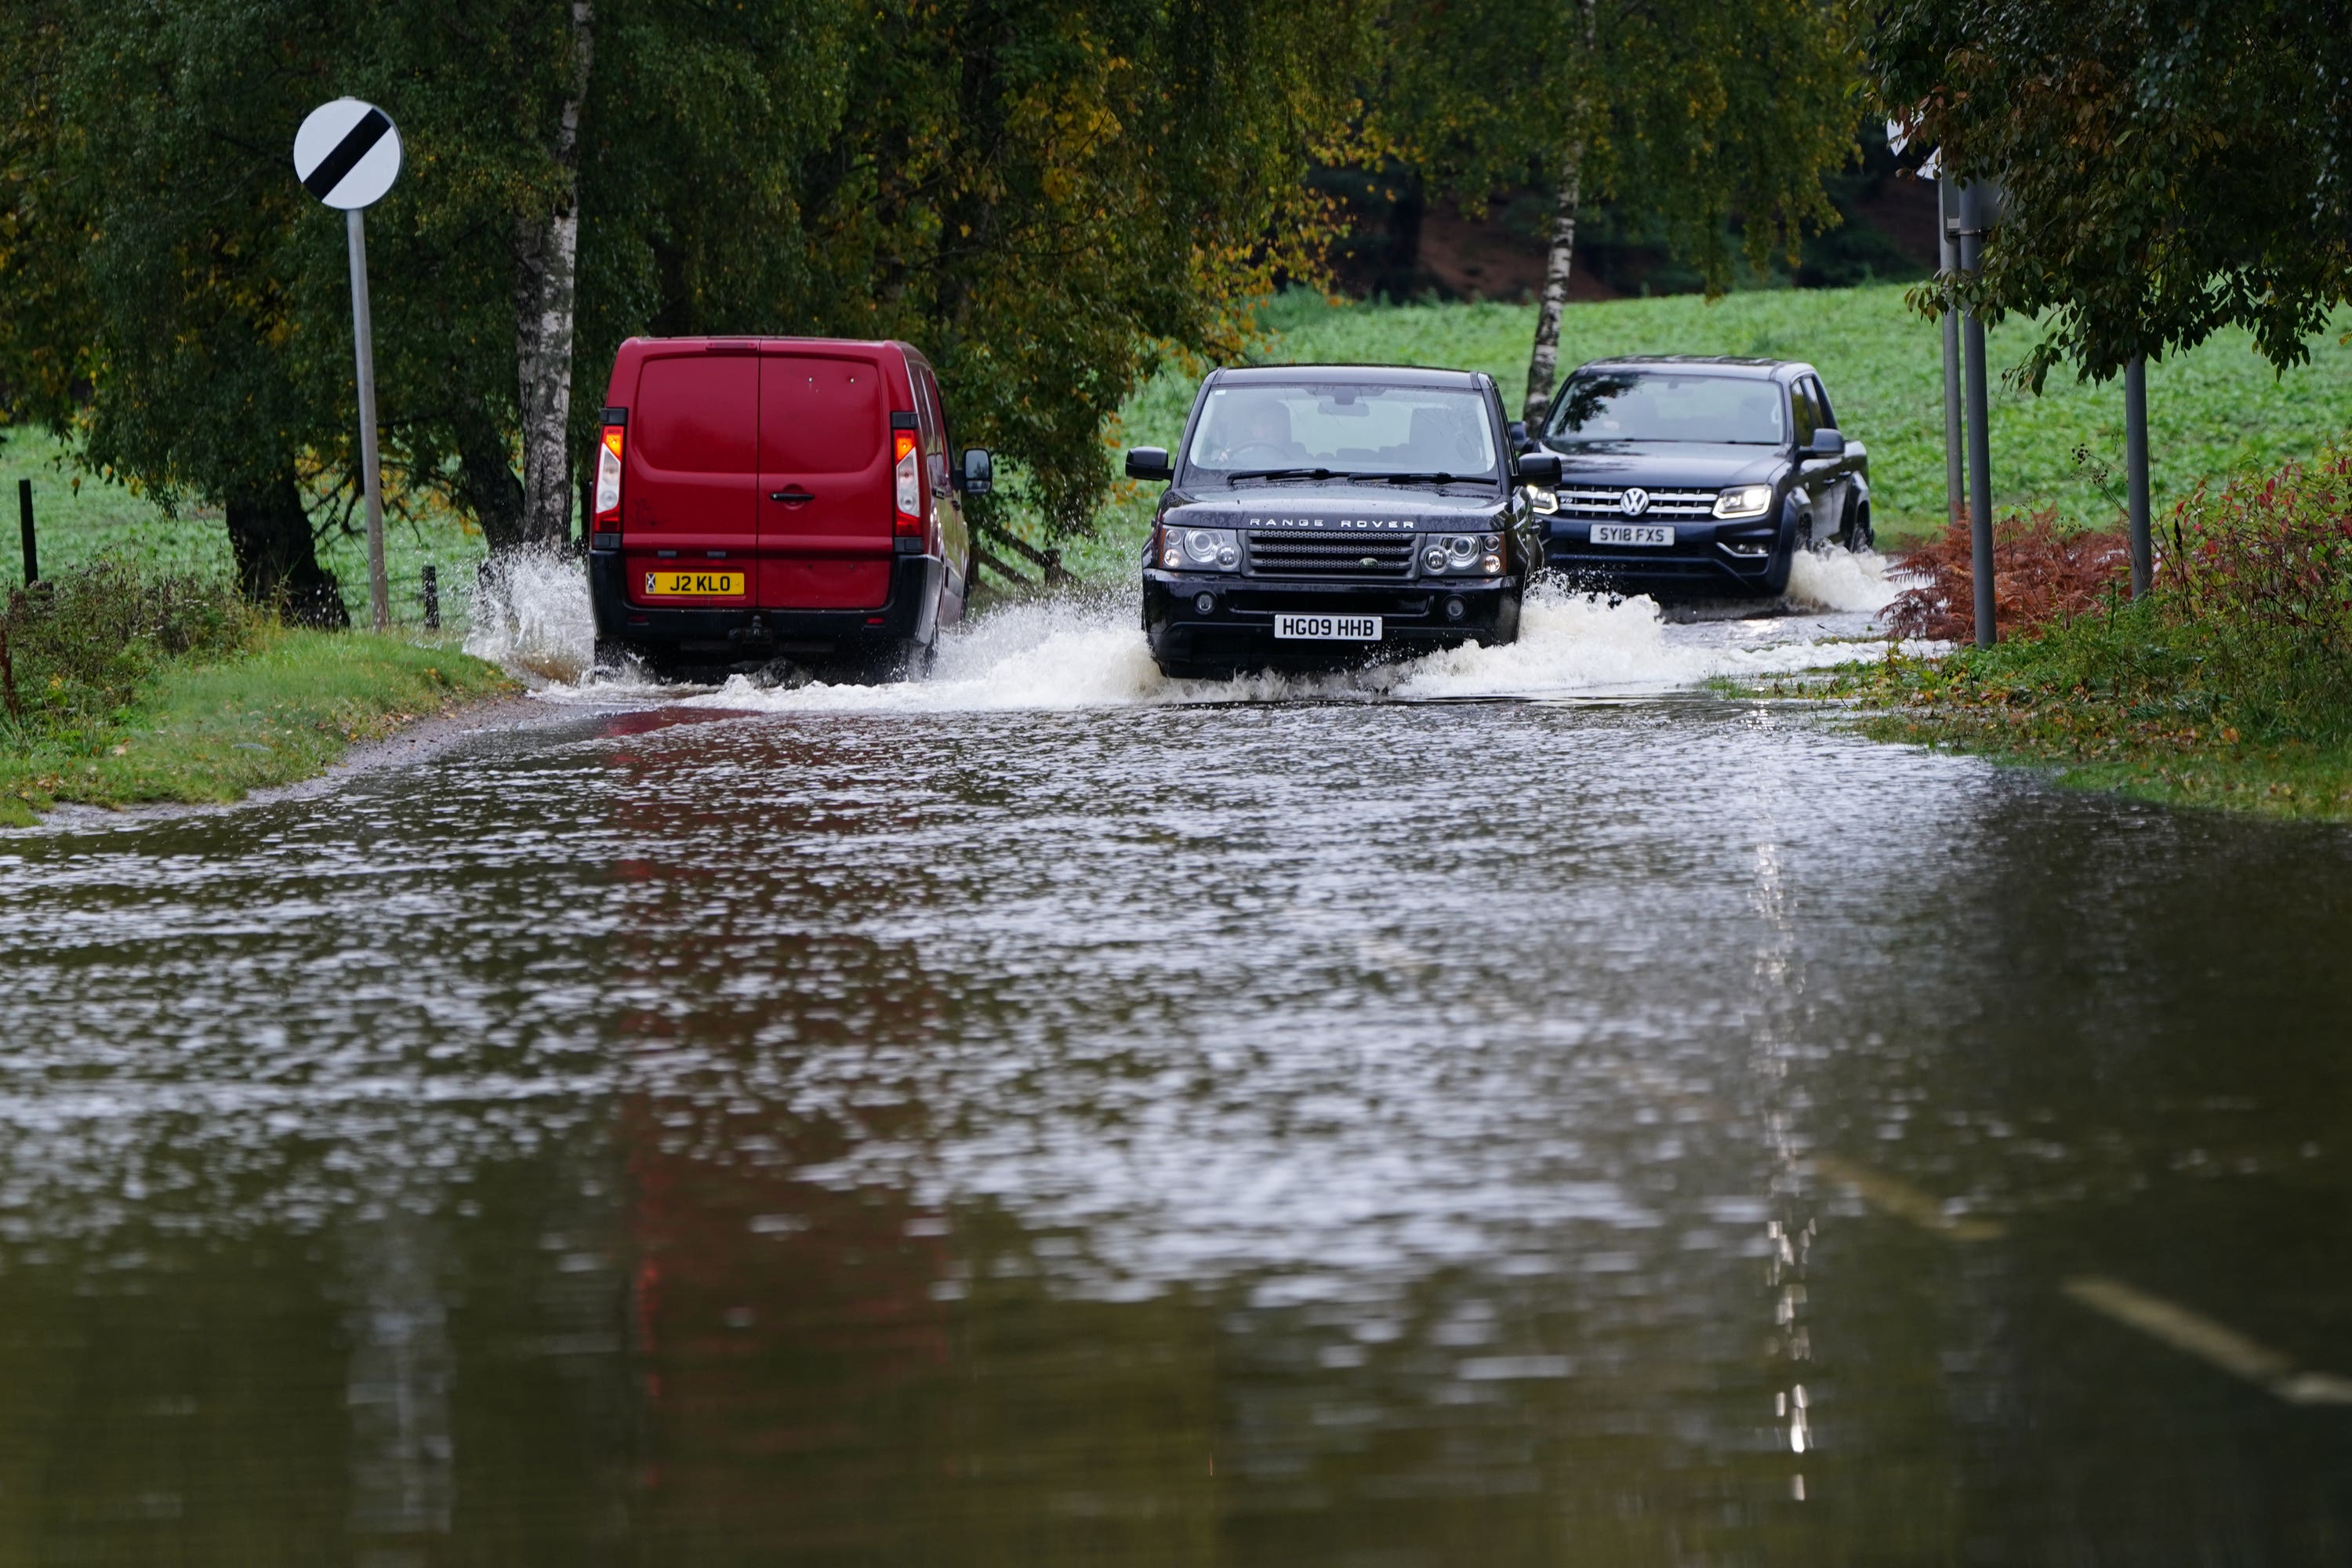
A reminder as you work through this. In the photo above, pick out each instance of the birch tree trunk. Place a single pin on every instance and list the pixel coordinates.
(1543, 365)
(547, 247)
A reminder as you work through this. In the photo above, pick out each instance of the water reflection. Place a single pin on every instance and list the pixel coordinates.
(1319, 1134)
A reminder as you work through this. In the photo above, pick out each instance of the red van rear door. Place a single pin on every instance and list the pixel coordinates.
(825, 479)
(691, 529)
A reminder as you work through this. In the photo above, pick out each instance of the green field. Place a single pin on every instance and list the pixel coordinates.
(79, 521)
(2210, 412)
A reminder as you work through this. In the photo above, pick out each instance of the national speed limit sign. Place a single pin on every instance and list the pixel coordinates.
(347, 153)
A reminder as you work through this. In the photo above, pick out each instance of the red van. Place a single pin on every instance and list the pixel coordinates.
(766, 497)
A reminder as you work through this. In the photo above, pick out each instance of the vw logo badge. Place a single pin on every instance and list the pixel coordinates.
(1635, 501)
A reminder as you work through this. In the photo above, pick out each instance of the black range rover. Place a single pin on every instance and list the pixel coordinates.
(1697, 477)
(1324, 515)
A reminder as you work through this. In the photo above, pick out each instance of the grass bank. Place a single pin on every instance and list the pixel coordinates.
(2214, 412)
(124, 684)
(2230, 684)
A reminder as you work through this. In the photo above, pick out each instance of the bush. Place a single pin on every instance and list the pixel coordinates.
(2042, 573)
(73, 650)
(2270, 556)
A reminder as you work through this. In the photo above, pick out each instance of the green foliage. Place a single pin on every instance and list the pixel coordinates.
(1690, 113)
(2174, 166)
(78, 646)
(1045, 196)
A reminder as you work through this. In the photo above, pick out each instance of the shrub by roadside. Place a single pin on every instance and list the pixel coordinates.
(2228, 685)
(2041, 573)
(122, 686)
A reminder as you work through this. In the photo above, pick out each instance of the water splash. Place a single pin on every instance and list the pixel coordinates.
(1089, 653)
(530, 617)
(1861, 581)
(1087, 650)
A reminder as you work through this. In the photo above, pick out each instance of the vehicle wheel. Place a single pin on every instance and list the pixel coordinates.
(901, 661)
(1776, 576)
(1859, 535)
(620, 660)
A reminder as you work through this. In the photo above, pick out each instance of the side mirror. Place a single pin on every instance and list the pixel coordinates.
(1518, 432)
(1828, 442)
(979, 472)
(1150, 464)
(1540, 468)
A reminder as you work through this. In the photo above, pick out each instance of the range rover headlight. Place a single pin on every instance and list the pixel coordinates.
(1202, 548)
(1744, 501)
(1443, 553)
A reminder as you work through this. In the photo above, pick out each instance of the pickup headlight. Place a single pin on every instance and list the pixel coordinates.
(1461, 552)
(1744, 501)
(1200, 549)
(1545, 501)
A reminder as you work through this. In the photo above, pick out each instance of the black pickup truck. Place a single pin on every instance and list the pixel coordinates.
(1328, 515)
(1696, 478)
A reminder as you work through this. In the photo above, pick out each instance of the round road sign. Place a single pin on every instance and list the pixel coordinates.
(347, 153)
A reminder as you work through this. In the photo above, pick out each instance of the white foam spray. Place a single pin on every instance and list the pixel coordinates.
(1088, 651)
(530, 617)
(1861, 581)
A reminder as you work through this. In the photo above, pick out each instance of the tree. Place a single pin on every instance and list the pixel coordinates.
(2171, 166)
(1696, 112)
(1047, 196)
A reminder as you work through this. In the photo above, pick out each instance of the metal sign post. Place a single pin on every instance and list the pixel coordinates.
(1979, 203)
(2143, 543)
(347, 154)
(1948, 256)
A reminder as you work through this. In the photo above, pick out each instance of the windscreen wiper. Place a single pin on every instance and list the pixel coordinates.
(1239, 474)
(1437, 477)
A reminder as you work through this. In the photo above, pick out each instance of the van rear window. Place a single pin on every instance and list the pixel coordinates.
(819, 414)
(698, 414)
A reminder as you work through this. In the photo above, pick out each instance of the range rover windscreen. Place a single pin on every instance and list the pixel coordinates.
(1350, 430)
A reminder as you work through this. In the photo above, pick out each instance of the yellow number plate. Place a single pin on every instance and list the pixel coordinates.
(693, 584)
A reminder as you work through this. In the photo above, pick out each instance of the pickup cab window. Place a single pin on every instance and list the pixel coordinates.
(1668, 405)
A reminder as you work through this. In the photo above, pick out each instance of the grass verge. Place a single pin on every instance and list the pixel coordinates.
(127, 689)
(2229, 686)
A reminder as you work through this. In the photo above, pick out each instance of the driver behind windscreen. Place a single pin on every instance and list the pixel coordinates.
(1256, 435)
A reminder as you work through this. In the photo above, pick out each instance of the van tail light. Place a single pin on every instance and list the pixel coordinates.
(908, 490)
(608, 479)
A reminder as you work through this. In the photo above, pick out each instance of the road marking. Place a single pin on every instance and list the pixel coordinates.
(2216, 1345)
(1904, 1201)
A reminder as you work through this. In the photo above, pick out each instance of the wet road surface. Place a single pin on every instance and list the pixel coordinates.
(907, 1127)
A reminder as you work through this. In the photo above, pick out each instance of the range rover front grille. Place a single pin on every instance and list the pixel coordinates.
(1579, 501)
(1329, 553)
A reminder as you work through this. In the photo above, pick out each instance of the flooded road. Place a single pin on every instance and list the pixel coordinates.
(1043, 1117)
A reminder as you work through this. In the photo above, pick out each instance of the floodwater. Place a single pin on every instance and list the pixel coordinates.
(1522, 1108)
